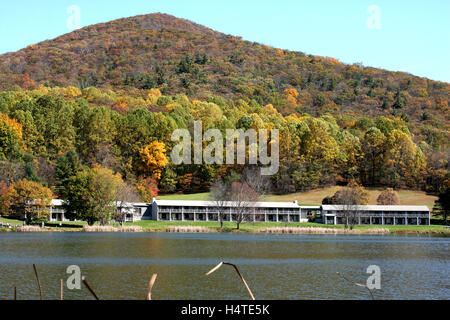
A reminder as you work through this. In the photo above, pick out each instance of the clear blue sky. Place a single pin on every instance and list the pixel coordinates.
(413, 36)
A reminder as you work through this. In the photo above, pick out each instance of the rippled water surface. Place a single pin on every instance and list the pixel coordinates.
(119, 265)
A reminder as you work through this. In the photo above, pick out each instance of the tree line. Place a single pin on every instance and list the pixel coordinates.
(69, 141)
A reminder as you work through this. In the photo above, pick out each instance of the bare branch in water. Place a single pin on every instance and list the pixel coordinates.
(238, 272)
(89, 288)
(38, 282)
(356, 284)
(150, 286)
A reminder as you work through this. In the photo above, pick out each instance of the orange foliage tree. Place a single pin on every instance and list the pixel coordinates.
(291, 95)
(147, 189)
(26, 82)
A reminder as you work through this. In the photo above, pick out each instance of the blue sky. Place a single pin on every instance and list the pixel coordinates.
(411, 36)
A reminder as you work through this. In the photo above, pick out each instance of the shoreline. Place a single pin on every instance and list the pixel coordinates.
(266, 230)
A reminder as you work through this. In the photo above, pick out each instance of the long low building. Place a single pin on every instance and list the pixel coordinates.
(188, 210)
(133, 211)
(380, 215)
(182, 210)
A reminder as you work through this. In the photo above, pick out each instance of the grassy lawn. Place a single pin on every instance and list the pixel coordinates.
(193, 196)
(11, 221)
(66, 224)
(315, 197)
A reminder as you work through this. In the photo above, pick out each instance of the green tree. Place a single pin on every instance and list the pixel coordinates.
(91, 195)
(373, 148)
(442, 205)
(168, 183)
(67, 166)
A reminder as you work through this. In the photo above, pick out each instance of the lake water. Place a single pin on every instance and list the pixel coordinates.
(119, 265)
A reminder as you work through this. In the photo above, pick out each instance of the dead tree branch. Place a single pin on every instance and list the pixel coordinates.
(238, 272)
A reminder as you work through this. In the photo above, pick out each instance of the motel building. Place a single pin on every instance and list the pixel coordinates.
(181, 210)
(380, 215)
(133, 211)
(187, 210)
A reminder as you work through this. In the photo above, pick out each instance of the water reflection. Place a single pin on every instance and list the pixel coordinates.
(119, 266)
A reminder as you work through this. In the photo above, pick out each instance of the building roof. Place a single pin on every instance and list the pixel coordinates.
(57, 202)
(377, 208)
(311, 207)
(193, 203)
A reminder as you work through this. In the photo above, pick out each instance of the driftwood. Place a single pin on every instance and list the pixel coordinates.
(356, 284)
(38, 282)
(150, 286)
(238, 272)
(89, 288)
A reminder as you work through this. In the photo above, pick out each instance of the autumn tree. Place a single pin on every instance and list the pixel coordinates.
(4, 205)
(153, 95)
(291, 95)
(11, 144)
(153, 157)
(72, 92)
(316, 158)
(29, 200)
(404, 160)
(388, 197)
(25, 82)
(147, 189)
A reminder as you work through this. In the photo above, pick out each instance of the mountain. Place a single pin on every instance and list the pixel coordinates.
(179, 56)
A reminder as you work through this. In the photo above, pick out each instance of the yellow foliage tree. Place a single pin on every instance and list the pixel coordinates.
(29, 199)
(12, 123)
(153, 158)
(271, 109)
(153, 95)
(72, 92)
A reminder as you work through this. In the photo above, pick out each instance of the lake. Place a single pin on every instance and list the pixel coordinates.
(119, 265)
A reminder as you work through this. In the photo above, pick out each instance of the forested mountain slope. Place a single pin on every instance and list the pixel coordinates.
(179, 56)
(111, 95)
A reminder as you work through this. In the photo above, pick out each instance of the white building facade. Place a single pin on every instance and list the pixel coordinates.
(288, 212)
(182, 210)
(379, 215)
